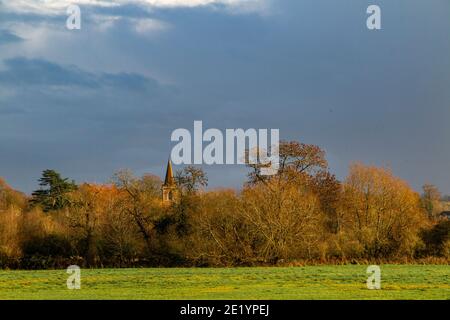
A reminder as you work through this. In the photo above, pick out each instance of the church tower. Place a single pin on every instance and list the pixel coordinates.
(169, 188)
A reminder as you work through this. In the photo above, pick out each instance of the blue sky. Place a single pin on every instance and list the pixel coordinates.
(89, 102)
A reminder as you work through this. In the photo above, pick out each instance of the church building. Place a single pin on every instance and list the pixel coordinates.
(169, 188)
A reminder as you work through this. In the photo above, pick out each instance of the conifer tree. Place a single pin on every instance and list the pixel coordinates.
(52, 194)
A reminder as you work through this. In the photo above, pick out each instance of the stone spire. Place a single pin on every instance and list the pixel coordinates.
(169, 181)
(169, 188)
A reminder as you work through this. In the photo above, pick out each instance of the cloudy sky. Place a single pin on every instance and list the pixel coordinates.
(89, 102)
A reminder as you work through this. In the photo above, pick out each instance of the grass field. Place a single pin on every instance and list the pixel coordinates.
(312, 282)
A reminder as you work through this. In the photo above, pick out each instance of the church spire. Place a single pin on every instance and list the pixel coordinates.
(169, 181)
(169, 188)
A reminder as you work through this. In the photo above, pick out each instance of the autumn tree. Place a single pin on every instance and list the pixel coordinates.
(220, 235)
(328, 190)
(89, 205)
(141, 202)
(191, 179)
(381, 211)
(10, 216)
(295, 159)
(431, 200)
(293, 199)
(10, 197)
(286, 224)
(437, 239)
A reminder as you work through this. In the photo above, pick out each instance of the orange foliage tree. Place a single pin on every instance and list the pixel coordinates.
(381, 212)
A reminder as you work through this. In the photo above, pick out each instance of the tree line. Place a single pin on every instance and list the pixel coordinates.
(303, 214)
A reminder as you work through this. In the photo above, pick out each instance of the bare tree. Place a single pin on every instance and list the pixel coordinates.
(141, 201)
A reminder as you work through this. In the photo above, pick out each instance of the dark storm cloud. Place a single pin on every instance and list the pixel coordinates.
(66, 118)
(311, 69)
(21, 71)
(7, 36)
(131, 81)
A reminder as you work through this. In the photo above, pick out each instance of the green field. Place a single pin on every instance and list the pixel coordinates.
(312, 282)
